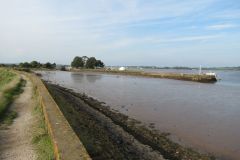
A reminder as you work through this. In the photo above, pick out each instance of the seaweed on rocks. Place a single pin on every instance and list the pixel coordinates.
(102, 138)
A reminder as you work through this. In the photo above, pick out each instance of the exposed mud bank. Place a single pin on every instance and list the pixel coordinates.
(108, 134)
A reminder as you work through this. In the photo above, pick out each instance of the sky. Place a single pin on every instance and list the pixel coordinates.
(122, 32)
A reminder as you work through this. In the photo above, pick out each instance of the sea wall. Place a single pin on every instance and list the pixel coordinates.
(177, 76)
(67, 145)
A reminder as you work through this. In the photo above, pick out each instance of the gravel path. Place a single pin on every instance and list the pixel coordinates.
(15, 141)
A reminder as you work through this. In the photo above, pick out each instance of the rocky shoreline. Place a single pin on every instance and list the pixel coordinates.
(108, 134)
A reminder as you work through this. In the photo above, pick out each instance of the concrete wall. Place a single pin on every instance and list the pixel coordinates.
(67, 145)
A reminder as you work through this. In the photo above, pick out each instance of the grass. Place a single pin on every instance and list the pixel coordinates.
(5, 77)
(8, 118)
(6, 115)
(9, 95)
(41, 139)
(10, 87)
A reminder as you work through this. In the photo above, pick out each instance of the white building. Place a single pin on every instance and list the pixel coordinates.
(122, 69)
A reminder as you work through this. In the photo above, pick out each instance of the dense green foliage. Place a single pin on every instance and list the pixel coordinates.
(85, 62)
(77, 62)
(5, 77)
(35, 64)
(91, 62)
(99, 64)
(49, 65)
(8, 96)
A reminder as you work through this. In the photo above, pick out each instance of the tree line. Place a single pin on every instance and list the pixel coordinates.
(86, 62)
(35, 64)
(78, 62)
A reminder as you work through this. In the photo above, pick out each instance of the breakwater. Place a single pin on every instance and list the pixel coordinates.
(177, 76)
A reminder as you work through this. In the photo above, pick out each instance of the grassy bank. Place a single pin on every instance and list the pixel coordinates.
(10, 86)
(41, 139)
(6, 76)
(177, 76)
(8, 96)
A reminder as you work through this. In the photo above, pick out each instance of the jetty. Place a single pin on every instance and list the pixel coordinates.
(203, 78)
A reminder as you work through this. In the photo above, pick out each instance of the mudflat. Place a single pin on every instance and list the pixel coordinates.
(111, 135)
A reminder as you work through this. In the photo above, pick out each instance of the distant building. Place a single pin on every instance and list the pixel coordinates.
(122, 69)
(68, 68)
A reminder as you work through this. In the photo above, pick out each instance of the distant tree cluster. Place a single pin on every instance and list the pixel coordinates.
(35, 64)
(2, 65)
(86, 62)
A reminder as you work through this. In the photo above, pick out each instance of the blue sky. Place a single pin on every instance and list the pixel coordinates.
(122, 32)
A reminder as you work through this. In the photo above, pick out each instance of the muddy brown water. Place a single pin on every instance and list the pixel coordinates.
(203, 116)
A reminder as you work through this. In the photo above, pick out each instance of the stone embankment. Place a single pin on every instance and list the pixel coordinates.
(177, 76)
(67, 145)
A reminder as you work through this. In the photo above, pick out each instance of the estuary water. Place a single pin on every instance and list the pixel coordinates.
(202, 116)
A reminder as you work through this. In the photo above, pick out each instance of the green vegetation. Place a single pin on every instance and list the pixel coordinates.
(41, 138)
(85, 62)
(9, 117)
(77, 62)
(5, 77)
(7, 97)
(35, 64)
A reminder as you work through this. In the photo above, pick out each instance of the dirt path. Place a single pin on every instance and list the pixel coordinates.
(15, 141)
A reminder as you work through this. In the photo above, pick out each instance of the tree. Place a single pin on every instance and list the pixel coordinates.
(77, 62)
(35, 64)
(99, 64)
(25, 65)
(91, 62)
(2, 65)
(84, 58)
(54, 65)
(48, 65)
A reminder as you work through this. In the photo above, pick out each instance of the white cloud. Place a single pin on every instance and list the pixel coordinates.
(126, 42)
(221, 26)
(189, 38)
(47, 30)
(228, 14)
